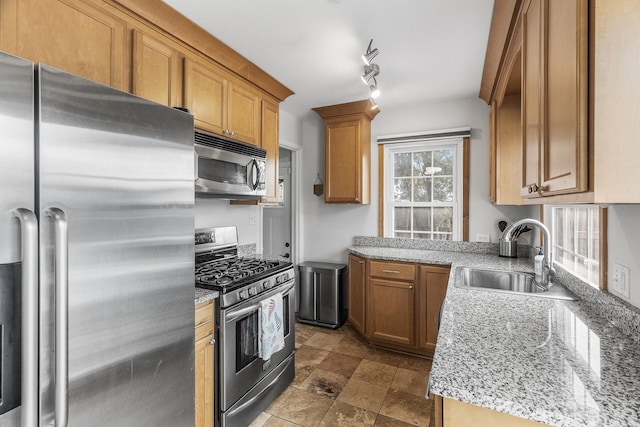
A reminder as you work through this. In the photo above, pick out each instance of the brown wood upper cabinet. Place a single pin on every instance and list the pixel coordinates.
(220, 103)
(72, 35)
(578, 113)
(347, 150)
(555, 103)
(156, 70)
(270, 142)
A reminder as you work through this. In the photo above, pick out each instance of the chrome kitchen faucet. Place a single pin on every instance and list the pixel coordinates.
(547, 266)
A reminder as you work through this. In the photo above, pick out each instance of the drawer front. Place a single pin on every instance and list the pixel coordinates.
(204, 320)
(392, 270)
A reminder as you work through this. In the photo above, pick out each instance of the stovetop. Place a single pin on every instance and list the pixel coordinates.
(230, 273)
(218, 267)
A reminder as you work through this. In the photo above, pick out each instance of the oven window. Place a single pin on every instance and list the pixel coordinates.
(247, 334)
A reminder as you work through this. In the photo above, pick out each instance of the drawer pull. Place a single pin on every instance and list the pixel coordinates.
(410, 286)
(391, 271)
(203, 323)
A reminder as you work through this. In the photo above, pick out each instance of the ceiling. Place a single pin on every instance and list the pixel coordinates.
(430, 50)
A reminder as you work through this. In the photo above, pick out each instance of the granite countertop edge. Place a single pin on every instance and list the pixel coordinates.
(480, 361)
(203, 295)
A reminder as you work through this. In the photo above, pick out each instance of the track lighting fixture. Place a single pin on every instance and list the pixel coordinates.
(371, 71)
(370, 54)
(374, 105)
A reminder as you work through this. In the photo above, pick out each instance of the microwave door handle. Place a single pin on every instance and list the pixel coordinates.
(30, 332)
(255, 174)
(61, 277)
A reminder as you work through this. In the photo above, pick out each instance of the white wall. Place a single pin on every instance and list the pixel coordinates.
(219, 213)
(624, 245)
(327, 230)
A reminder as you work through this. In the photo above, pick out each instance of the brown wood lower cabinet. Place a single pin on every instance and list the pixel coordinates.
(204, 349)
(396, 305)
(458, 414)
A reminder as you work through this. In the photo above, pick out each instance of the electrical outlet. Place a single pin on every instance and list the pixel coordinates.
(483, 238)
(621, 280)
(252, 219)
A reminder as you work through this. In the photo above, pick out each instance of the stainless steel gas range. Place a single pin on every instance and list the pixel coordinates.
(247, 384)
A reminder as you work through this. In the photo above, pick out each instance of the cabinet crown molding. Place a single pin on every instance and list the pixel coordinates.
(356, 107)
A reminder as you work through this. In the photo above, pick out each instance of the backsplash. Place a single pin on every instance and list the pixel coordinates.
(247, 250)
(437, 245)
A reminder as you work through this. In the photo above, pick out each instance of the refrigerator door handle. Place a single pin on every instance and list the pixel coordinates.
(30, 332)
(61, 267)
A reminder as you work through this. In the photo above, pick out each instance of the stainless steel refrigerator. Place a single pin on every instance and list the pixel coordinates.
(96, 254)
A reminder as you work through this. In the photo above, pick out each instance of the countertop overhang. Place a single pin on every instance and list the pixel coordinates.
(547, 360)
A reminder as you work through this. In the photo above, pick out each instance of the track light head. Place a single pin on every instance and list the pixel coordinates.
(368, 57)
(370, 71)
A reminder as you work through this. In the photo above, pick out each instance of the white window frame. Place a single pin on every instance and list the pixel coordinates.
(431, 144)
(554, 245)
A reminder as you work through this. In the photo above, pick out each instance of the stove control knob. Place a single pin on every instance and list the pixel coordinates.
(244, 294)
(268, 284)
(253, 291)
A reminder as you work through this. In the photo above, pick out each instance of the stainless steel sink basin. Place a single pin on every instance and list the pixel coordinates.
(515, 282)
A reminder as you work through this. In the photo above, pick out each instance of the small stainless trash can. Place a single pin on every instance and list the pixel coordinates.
(323, 294)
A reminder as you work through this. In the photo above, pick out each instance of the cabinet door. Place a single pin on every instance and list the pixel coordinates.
(357, 300)
(390, 312)
(204, 382)
(243, 116)
(564, 163)
(343, 164)
(270, 143)
(157, 70)
(432, 288)
(205, 95)
(555, 100)
(204, 364)
(533, 77)
(71, 35)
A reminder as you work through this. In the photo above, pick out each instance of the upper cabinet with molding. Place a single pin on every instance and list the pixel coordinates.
(73, 35)
(578, 117)
(147, 48)
(220, 103)
(347, 151)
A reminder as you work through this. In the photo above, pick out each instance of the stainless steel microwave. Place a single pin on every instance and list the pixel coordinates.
(228, 169)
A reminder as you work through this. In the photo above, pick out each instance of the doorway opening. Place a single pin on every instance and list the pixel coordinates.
(277, 224)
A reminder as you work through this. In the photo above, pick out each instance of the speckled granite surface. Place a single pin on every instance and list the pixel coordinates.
(553, 361)
(204, 295)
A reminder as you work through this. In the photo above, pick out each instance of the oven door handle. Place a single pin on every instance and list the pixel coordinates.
(234, 314)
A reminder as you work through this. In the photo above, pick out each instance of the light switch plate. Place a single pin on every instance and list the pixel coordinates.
(621, 281)
(252, 219)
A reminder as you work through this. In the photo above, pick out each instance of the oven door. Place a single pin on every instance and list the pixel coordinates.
(240, 366)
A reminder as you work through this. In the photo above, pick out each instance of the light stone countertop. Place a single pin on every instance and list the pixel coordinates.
(204, 295)
(553, 361)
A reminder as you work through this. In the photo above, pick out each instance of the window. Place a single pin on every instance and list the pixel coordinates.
(576, 241)
(423, 189)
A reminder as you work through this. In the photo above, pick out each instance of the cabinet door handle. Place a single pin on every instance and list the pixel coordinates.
(360, 262)
(213, 341)
(391, 271)
(410, 286)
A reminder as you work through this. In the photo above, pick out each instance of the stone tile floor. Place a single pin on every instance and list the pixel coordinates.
(342, 381)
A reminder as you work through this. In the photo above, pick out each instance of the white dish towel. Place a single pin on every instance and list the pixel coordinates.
(271, 326)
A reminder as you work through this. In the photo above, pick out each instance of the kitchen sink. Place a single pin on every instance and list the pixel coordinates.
(504, 281)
